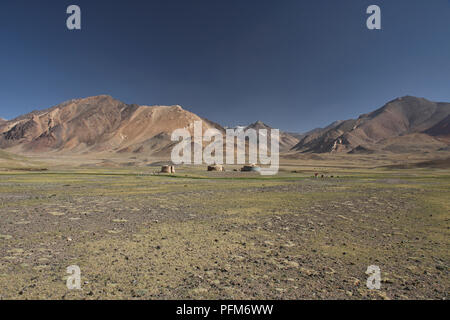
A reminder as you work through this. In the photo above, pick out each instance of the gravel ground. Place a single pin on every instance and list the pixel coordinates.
(147, 237)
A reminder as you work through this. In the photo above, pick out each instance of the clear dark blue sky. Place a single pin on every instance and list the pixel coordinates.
(293, 64)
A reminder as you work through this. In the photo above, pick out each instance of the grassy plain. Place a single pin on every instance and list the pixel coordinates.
(136, 235)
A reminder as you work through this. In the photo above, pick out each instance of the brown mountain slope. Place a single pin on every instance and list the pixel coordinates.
(97, 124)
(402, 116)
(287, 141)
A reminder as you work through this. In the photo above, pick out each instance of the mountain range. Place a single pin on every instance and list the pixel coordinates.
(395, 127)
(97, 124)
(103, 124)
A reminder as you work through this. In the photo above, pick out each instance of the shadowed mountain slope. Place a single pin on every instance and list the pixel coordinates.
(287, 141)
